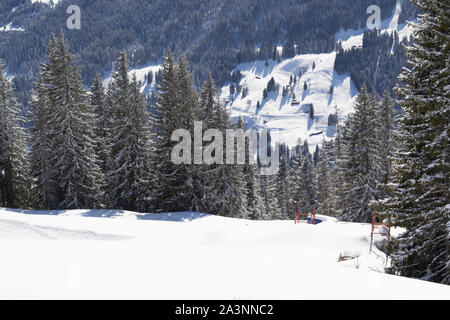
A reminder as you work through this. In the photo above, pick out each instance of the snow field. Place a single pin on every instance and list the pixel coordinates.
(191, 256)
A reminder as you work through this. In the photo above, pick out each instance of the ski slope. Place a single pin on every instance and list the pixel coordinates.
(103, 254)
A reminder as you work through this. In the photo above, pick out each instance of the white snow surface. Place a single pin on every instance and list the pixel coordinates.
(104, 254)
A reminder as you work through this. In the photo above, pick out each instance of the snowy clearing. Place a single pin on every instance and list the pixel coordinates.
(114, 254)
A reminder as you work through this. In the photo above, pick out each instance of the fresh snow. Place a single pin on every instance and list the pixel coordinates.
(100, 254)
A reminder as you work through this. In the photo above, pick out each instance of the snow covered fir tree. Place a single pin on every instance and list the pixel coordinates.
(14, 165)
(420, 182)
(78, 140)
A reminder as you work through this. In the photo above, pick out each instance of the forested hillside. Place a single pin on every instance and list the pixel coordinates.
(214, 35)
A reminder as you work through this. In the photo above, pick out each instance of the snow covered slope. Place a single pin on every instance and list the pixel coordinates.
(116, 254)
(287, 120)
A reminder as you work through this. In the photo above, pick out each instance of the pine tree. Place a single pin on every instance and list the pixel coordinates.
(72, 169)
(361, 162)
(338, 168)
(283, 187)
(213, 115)
(295, 178)
(324, 185)
(307, 187)
(164, 122)
(228, 197)
(303, 182)
(288, 49)
(98, 100)
(14, 165)
(251, 188)
(179, 187)
(316, 155)
(268, 196)
(232, 89)
(41, 169)
(421, 164)
(271, 85)
(231, 185)
(128, 141)
(385, 136)
(190, 184)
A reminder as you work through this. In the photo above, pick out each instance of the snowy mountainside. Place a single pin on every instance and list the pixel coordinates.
(187, 255)
(285, 117)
